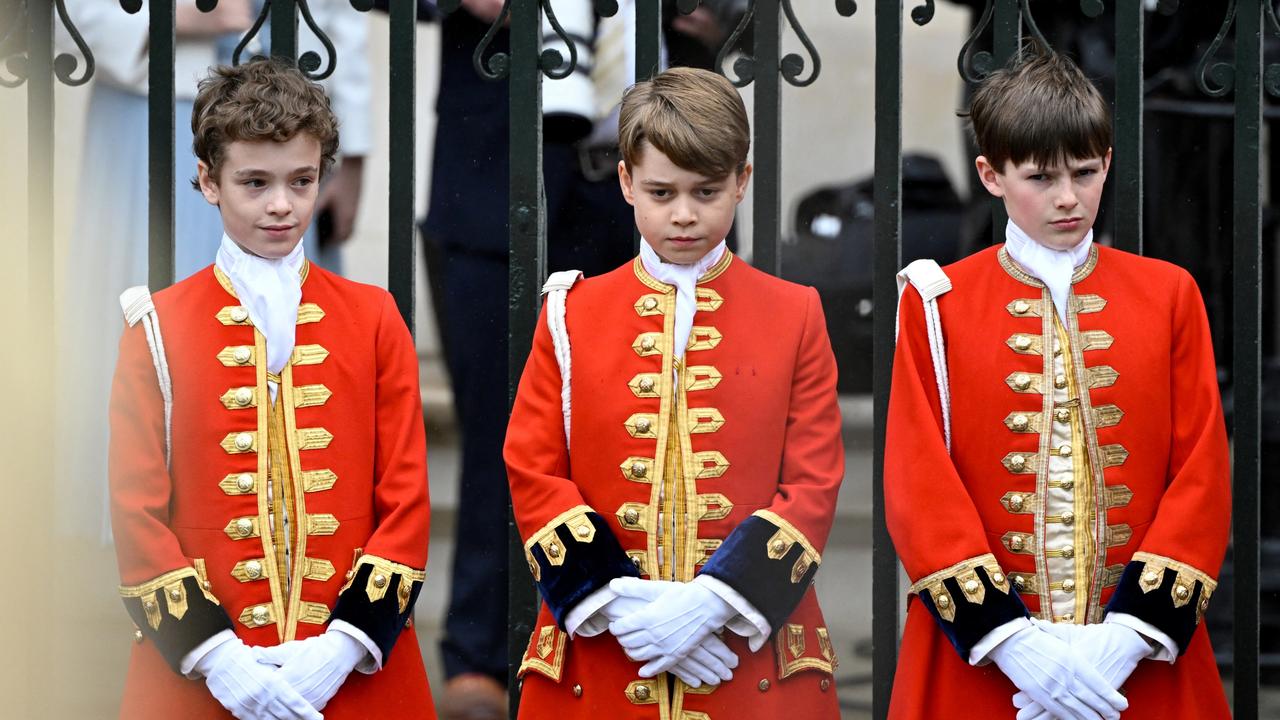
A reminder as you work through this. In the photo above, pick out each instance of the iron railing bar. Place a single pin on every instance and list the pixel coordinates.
(527, 267)
(1006, 43)
(39, 72)
(886, 260)
(160, 178)
(1247, 353)
(284, 29)
(766, 208)
(402, 117)
(1127, 159)
(648, 38)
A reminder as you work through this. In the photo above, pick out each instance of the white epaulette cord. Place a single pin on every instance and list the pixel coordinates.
(930, 281)
(556, 288)
(137, 306)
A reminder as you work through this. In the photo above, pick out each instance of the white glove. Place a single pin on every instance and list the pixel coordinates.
(672, 627)
(315, 667)
(709, 662)
(248, 690)
(1111, 648)
(1046, 669)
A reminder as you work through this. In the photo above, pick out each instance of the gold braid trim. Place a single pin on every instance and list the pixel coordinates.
(580, 528)
(380, 579)
(170, 587)
(966, 576)
(780, 544)
(1153, 570)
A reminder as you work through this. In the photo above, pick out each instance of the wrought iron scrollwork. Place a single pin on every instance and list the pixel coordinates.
(744, 67)
(251, 33)
(974, 66)
(922, 14)
(65, 64)
(1222, 74)
(17, 64)
(792, 65)
(498, 65)
(1092, 8)
(309, 61)
(1024, 9)
(551, 62)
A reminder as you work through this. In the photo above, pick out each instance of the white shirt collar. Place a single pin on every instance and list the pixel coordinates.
(685, 279)
(1053, 267)
(270, 290)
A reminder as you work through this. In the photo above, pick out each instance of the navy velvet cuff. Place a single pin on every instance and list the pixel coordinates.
(743, 563)
(972, 621)
(175, 638)
(1156, 607)
(586, 567)
(380, 619)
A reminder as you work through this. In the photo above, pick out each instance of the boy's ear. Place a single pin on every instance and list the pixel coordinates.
(1106, 162)
(624, 180)
(744, 177)
(989, 176)
(208, 185)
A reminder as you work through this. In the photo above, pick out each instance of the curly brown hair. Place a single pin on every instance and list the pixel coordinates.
(261, 100)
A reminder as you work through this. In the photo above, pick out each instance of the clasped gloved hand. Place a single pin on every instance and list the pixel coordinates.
(673, 628)
(1114, 650)
(1050, 673)
(315, 667)
(248, 689)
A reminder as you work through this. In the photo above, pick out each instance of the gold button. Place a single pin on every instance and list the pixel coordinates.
(149, 604)
(244, 441)
(1069, 617)
(1150, 578)
(998, 578)
(1017, 462)
(635, 561)
(1204, 603)
(1016, 502)
(647, 343)
(646, 384)
(244, 526)
(1023, 342)
(260, 615)
(239, 314)
(944, 601)
(1182, 592)
(1021, 422)
(1022, 381)
(779, 546)
(1016, 542)
(650, 303)
(971, 587)
(1062, 415)
(643, 425)
(1021, 307)
(825, 684)
(380, 580)
(253, 569)
(1068, 518)
(242, 354)
(244, 396)
(1068, 551)
(1060, 381)
(1068, 585)
(1020, 581)
(639, 470)
(137, 636)
(642, 692)
(631, 516)
(553, 550)
(764, 685)
(245, 482)
(1068, 484)
(206, 585)
(583, 531)
(351, 574)
(577, 691)
(1064, 450)
(175, 594)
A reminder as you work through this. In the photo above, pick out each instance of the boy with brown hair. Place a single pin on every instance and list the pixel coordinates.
(674, 451)
(268, 462)
(1056, 471)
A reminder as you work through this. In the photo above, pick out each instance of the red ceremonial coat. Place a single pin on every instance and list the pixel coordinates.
(1088, 474)
(343, 451)
(737, 449)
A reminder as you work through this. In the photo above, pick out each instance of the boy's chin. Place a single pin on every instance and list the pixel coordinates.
(683, 253)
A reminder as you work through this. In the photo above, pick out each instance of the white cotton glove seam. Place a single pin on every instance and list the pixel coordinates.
(748, 622)
(586, 618)
(370, 663)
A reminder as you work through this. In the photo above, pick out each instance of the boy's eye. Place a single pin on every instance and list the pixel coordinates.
(661, 193)
(303, 181)
(254, 183)
(707, 192)
(1083, 172)
(1037, 177)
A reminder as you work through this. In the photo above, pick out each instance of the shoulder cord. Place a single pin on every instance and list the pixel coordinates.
(137, 306)
(556, 288)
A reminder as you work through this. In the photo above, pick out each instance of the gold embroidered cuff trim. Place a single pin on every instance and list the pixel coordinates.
(1107, 415)
(638, 558)
(1095, 340)
(964, 573)
(1018, 543)
(317, 569)
(701, 377)
(170, 587)
(1086, 304)
(375, 588)
(641, 425)
(545, 653)
(1025, 344)
(239, 398)
(1101, 376)
(633, 516)
(313, 438)
(309, 313)
(237, 356)
(313, 613)
(1024, 382)
(322, 524)
(644, 385)
(1021, 463)
(580, 528)
(783, 539)
(244, 483)
(709, 464)
(234, 315)
(1019, 503)
(713, 506)
(308, 355)
(705, 420)
(251, 570)
(650, 304)
(242, 528)
(1153, 570)
(789, 650)
(311, 395)
(1118, 496)
(317, 480)
(703, 337)
(709, 300)
(1113, 455)
(647, 344)
(240, 442)
(637, 469)
(642, 692)
(256, 616)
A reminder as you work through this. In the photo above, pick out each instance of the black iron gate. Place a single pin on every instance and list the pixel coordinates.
(26, 46)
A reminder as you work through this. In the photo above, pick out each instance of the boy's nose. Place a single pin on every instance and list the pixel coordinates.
(682, 214)
(278, 203)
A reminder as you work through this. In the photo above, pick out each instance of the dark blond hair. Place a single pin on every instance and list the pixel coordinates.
(694, 117)
(261, 100)
(1040, 108)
